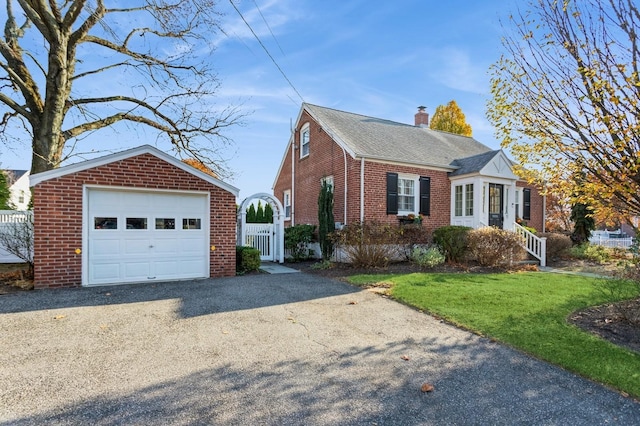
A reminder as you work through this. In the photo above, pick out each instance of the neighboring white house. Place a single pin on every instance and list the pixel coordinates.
(18, 182)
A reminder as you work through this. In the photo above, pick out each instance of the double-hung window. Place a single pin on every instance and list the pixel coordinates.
(406, 195)
(304, 141)
(287, 204)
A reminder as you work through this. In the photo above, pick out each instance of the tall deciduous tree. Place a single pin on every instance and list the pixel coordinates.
(450, 118)
(566, 98)
(72, 67)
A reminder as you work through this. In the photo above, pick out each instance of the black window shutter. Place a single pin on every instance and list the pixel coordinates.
(392, 193)
(425, 195)
(526, 204)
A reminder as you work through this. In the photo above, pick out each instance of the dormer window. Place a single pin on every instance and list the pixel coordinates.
(304, 141)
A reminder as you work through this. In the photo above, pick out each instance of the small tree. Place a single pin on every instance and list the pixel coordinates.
(326, 221)
(260, 213)
(268, 213)
(251, 214)
(583, 223)
(5, 193)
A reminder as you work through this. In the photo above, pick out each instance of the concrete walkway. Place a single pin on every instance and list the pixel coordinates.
(282, 349)
(276, 268)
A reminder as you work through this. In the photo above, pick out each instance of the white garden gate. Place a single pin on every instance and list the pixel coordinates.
(261, 237)
(266, 237)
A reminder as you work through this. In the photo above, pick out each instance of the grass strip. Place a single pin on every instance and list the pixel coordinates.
(527, 311)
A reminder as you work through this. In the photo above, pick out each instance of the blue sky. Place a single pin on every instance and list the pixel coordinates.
(381, 59)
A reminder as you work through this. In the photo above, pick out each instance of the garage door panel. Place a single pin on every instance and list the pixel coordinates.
(166, 246)
(136, 247)
(105, 272)
(191, 266)
(158, 247)
(104, 247)
(139, 270)
(191, 245)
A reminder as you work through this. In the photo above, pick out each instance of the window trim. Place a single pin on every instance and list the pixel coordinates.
(468, 201)
(286, 203)
(416, 190)
(305, 130)
(421, 197)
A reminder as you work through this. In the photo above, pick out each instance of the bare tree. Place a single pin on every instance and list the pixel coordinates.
(71, 67)
(566, 98)
(17, 238)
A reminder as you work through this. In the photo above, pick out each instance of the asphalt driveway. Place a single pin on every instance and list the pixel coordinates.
(269, 350)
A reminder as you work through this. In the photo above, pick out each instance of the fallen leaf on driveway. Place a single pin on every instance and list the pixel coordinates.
(427, 387)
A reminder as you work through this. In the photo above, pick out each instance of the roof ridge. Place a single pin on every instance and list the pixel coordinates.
(358, 114)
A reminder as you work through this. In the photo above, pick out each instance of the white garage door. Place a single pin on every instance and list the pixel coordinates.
(146, 236)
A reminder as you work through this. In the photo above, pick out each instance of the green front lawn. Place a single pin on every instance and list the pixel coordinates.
(527, 311)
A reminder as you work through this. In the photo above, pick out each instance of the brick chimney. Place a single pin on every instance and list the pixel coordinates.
(422, 118)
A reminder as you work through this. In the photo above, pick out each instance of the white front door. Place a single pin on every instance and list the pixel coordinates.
(137, 236)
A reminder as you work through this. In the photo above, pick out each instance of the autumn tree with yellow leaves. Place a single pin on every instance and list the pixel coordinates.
(450, 118)
(565, 99)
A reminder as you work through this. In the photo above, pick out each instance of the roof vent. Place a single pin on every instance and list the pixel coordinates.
(421, 117)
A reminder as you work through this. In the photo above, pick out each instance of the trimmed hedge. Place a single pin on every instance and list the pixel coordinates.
(247, 259)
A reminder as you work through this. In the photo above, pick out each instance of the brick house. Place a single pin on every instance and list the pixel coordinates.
(385, 171)
(135, 216)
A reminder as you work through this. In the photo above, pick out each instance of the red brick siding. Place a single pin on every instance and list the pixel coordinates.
(58, 215)
(326, 158)
(375, 197)
(537, 206)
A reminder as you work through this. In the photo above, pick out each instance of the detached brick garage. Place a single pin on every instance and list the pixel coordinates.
(135, 216)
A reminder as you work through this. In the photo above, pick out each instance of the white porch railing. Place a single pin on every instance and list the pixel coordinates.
(536, 246)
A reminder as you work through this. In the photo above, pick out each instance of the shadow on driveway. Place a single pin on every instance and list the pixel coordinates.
(200, 297)
(363, 386)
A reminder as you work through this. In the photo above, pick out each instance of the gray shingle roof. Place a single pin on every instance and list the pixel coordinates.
(381, 139)
(474, 163)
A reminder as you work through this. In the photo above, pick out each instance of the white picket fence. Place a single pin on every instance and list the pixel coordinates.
(12, 218)
(611, 239)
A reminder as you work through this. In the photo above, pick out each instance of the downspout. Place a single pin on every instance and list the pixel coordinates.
(344, 154)
(544, 214)
(362, 190)
(293, 173)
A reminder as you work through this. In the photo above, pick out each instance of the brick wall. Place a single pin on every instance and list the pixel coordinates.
(326, 158)
(375, 198)
(58, 215)
(537, 206)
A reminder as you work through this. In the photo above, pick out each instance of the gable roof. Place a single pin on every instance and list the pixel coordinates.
(473, 164)
(119, 156)
(379, 139)
(13, 175)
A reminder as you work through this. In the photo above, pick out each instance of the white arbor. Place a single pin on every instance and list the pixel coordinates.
(268, 238)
